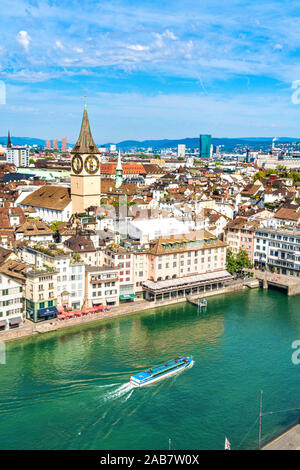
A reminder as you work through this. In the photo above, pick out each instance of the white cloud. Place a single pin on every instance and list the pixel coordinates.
(78, 49)
(138, 47)
(24, 39)
(59, 45)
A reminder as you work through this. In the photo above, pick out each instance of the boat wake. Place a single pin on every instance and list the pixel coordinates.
(124, 390)
(106, 386)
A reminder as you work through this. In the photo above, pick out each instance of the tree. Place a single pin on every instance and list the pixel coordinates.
(243, 261)
(236, 263)
(230, 262)
(258, 175)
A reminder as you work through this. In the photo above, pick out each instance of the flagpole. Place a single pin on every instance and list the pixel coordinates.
(260, 413)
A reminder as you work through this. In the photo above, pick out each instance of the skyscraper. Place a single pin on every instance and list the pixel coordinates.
(48, 145)
(64, 144)
(181, 150)
(55, 146)
(204, 147)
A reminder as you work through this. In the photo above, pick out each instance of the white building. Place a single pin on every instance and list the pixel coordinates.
(181, 150)
(101, 286)
(51, 203)
(11, 302)
(278, 250)
(70, 273)
(19, 156)
(149, 229)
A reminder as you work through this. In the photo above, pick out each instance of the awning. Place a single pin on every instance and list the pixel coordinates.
(14, 321)
(3, 323)
(127, 296)
(44, 312)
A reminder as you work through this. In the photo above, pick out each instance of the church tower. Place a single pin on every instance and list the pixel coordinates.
(8, 141)
(85, 169)
(119, 172)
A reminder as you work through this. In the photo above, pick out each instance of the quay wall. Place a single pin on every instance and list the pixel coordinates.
(32, 329)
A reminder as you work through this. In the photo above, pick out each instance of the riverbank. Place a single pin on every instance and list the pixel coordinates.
(32, 329)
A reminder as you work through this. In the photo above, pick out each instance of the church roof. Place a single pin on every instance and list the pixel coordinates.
(85, 142)
(48, 197)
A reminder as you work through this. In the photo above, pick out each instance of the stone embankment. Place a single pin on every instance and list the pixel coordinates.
(32, 329)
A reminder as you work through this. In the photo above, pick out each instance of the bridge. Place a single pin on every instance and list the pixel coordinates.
(289, 284)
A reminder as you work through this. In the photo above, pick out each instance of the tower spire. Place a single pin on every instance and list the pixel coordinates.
(8, 140)
(85, 142)
(119, 172)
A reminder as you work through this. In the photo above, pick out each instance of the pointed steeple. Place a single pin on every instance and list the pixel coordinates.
(119, 164)
(8, 141)
(85, 142)
(119, 172)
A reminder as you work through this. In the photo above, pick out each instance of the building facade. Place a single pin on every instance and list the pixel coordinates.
(205, 146)
(18, 156)
(11, 302)
(101, 286)
(278, 250)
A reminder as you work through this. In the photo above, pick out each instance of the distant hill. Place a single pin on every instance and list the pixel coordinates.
(23, 141)
(193, 142)
(190, 142)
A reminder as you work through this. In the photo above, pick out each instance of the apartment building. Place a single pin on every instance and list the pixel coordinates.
(118, 257)
(239, 235)
(11, 302)
(19, 156)
(69, 268)
(41, 294)
(141, 271)
(101, 286)
(278, 250)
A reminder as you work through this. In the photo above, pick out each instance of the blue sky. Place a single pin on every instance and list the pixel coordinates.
(150, 69)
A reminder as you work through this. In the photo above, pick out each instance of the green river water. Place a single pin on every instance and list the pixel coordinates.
(70, 389)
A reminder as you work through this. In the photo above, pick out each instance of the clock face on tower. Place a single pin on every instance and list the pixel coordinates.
(77, 164)
(91, 164)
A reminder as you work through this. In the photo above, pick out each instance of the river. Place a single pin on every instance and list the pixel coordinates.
(70, 389)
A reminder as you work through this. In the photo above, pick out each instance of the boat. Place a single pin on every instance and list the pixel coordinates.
(149, 376)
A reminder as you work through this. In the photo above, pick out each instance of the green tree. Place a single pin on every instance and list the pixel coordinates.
(242, 261)
(258, 175)
(236, 263)
(230, 262)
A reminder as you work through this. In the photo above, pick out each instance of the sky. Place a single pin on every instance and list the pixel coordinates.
(150, 69)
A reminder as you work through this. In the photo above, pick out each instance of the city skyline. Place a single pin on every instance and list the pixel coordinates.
(164, 71)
